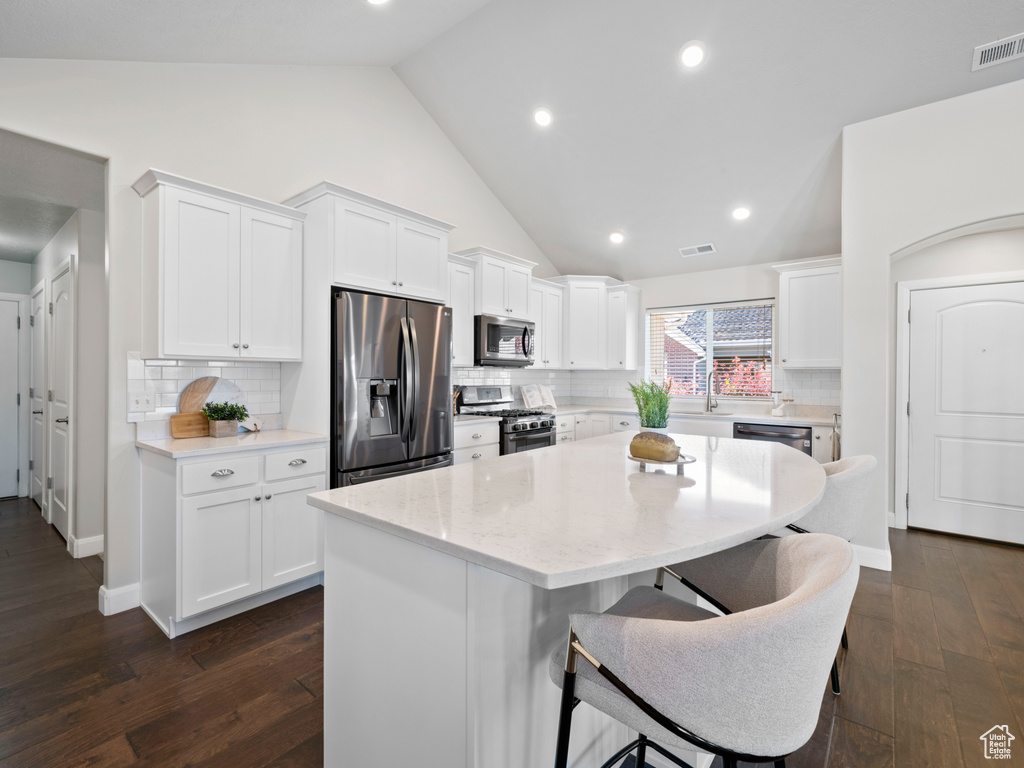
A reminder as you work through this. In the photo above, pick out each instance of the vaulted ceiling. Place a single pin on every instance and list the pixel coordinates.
(637, 143)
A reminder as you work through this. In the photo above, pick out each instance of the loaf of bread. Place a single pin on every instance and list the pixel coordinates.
(655, 446)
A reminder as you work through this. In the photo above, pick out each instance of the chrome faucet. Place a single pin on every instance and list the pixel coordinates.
(708, 407)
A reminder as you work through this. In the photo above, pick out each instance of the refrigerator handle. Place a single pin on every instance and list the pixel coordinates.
(405, 352)
(414, 415)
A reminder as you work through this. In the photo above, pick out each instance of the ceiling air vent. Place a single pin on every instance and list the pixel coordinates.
(699, 250)
(1007, 49)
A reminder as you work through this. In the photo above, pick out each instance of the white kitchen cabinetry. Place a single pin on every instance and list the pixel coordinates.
(623, 327)
(546, 309)
(709, 427)
(821, 444)
(222, 534)
(475, 440)
(462, 300)
(622, 423)
(600, 424)
(502, 283)
(221, 273)
(581, 431)
(810, 314)
(565, 429)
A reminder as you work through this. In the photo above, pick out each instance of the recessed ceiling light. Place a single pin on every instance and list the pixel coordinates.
(693, 53)
(542, 116)
(741, 214)
(376, 2)
(617, 236)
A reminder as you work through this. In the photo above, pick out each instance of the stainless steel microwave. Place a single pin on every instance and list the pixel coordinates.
(503, 341)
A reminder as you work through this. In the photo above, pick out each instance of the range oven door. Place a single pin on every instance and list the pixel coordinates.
(516, 442)
(503, 341)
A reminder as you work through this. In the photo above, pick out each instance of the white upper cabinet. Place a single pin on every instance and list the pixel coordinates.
(502, 283)
(375, 246)
(221, 273)
(546, 309)
(623, 327)
(810, 314)
(462, 300)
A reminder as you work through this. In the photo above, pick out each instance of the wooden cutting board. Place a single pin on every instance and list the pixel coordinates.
(193, 397)
(189, 425)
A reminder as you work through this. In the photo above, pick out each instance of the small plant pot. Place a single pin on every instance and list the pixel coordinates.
(223, 428)
(662, 430)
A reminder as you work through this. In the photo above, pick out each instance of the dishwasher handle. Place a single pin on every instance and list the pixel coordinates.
(762, 433)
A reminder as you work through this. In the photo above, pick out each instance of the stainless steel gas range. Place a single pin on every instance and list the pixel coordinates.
(521, 430)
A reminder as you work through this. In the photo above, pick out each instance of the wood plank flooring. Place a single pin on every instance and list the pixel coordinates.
(936, 658)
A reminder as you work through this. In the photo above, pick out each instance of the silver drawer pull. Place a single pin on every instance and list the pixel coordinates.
(624, 423)
(222, 473)
(476, 455)
(477, 436)
(296, 462)
(565, 437)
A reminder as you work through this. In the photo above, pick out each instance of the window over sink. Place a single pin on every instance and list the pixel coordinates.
(735, 338)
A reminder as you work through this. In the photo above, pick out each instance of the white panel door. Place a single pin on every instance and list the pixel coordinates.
(293, 531)
(37, 400)
(540, 331)
(200, 276)
(461, 287)
(365, 243)
(221, 548)
(586, 327)
(422, 260)
(517, 281)
(271, 286)
(967, 411)
(59, 438)
(493, 292)
(8, 398)
(553, 328)
(811, 318)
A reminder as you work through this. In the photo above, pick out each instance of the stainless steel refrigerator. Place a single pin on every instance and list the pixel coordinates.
(391, 387)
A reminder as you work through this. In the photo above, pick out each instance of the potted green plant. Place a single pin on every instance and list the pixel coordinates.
(224, 418)
(651, 403)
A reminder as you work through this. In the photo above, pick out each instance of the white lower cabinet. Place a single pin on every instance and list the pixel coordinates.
(821, 445)
(622, 423)
(600, 424)
(709, 427)
(475, 440)
(222, 534)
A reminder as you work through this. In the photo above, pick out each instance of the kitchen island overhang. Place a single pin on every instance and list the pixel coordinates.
(446, 591)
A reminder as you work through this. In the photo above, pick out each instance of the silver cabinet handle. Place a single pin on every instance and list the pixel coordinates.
(36, 412)
(476, 455)
(235, 345)
(400, 283)
(222, 473)
(296, 462)
(564, 437)
(245, 346)
(61, 421)
(258, 498)
(394, 282)
(477, 436)
(624, 423)
(269, 497)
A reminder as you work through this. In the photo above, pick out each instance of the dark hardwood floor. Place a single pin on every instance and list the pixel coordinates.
(936, 659)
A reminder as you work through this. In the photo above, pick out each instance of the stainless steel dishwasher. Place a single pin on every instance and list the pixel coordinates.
(794, 437)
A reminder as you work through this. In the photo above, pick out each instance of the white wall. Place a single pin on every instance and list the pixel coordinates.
(15, 277)
(759, 281)
(266, 131)
(908, 177)
(57, 251)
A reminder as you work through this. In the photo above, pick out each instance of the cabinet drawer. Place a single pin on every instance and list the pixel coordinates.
(219, 474)
(565, 424)
(296, 463)
(469, 435)
(475, 453)
(625, 423)
(564, 437)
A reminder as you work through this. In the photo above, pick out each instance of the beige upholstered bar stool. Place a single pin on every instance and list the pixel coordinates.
(746, 686)
(839, 513)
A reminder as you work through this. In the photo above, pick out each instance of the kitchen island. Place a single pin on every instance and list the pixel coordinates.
(446, 591)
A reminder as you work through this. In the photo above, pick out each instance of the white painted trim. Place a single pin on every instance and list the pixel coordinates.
(869, 557)
(472, 253)
(119, 599)
(892, 519)
(901, 454)
(93, 545)
(998, 224)
(824, 261)
(327, 188)
(154, 178)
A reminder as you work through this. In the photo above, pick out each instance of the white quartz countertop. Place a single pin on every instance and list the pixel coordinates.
(182, 447)
(575, 513)
(726, 414)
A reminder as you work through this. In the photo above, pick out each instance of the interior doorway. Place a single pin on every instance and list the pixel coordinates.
(9, 395)
(37, 398)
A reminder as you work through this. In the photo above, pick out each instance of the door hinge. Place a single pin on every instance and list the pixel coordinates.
(31, 392)
(18, 476)
(49, 395)
(51, 307)
(31, 464)
(49, 483)
(908, 315)
(19, 398)
(907, 502)
(908, 407)
(19, 322)
(31, 319)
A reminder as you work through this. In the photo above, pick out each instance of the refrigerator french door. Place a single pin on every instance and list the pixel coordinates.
(391, 387)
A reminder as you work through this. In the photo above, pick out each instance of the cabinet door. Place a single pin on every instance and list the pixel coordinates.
(517, 281)
(467, 455)
(221, 549)
(582, 427)
(492, 293)
(540, 335)
(821, 445)
(461, 289)
(271, 286)
(616, 329)
(625, 423)
(586, 327)
(365, 244)
(200, 288)
(709, 427)
(810, 318)
(600, 424)
(422, 260)
(553, 328)
(293, 531)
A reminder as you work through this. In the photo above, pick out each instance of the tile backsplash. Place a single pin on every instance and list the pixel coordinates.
(163, 381)
(558, 381)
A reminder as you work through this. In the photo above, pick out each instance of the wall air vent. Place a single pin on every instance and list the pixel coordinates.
(1007, 49)
(699, 250)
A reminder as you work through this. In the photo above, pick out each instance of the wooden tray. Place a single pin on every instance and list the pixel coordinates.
(679, 463)
(189, 425)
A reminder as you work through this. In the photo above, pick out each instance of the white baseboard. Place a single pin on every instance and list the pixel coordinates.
(88, 547)
(870, 557)
(120, 599)
(892, 519)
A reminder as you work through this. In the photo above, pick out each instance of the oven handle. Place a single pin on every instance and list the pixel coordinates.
(514, 436)
(759, 433)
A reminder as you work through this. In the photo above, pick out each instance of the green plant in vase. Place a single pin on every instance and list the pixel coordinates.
(651, 401)
(225, 417)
